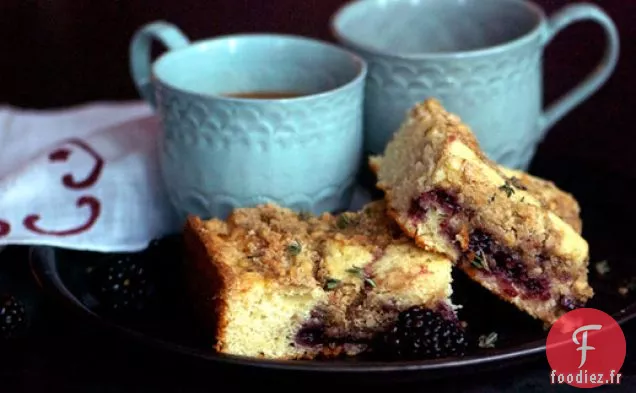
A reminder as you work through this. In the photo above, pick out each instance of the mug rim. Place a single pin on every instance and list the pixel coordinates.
(359, 76)
(527, 37)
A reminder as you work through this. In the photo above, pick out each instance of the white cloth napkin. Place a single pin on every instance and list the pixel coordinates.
(82, 178)
(85, 178)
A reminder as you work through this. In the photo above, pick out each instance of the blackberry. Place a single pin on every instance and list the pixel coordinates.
(420, 333)
(127, 284)
(13, 321)
(121, 284)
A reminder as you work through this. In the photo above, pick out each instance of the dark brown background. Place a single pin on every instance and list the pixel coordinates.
(56, 53)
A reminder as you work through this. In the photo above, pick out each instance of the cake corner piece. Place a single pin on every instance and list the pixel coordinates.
(244, 295)
(518, 237)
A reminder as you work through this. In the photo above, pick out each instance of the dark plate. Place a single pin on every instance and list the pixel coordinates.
(171, 328)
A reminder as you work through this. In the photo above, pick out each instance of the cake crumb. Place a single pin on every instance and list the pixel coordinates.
(602, 268)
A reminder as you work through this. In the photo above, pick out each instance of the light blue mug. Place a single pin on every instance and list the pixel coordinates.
(480, 58)
(251, 119)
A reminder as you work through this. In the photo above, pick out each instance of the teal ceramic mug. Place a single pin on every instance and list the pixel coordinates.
(480, 58)
(251, 119)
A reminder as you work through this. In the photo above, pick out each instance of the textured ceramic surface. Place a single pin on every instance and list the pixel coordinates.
(480, 58)
(219, 153)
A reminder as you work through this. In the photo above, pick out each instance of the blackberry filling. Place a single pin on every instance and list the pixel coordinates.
(313, 330)
(505, 264)
(438, 199)
(311, 336)
(315, 333)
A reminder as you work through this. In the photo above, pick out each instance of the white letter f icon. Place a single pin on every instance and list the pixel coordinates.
(584, 347)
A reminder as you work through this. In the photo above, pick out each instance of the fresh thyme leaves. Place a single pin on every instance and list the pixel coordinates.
(294, 248)
(343, 221)
(331, 284)
(523, 199)
(360, 273)
(479, 260)
(488, 341)
(507, 188)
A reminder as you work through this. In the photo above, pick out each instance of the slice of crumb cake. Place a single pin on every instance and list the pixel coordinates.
(276, 284)
(506, 230)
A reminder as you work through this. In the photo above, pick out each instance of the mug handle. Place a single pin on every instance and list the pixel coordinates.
(140, 62)
(557, 22)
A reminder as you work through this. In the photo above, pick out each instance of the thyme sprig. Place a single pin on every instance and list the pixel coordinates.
(488, 341)
(507, 188)
(479, 260)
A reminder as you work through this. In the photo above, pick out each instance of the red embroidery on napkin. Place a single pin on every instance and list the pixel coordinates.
(63, 154)
(5, 228)
(30, 222)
